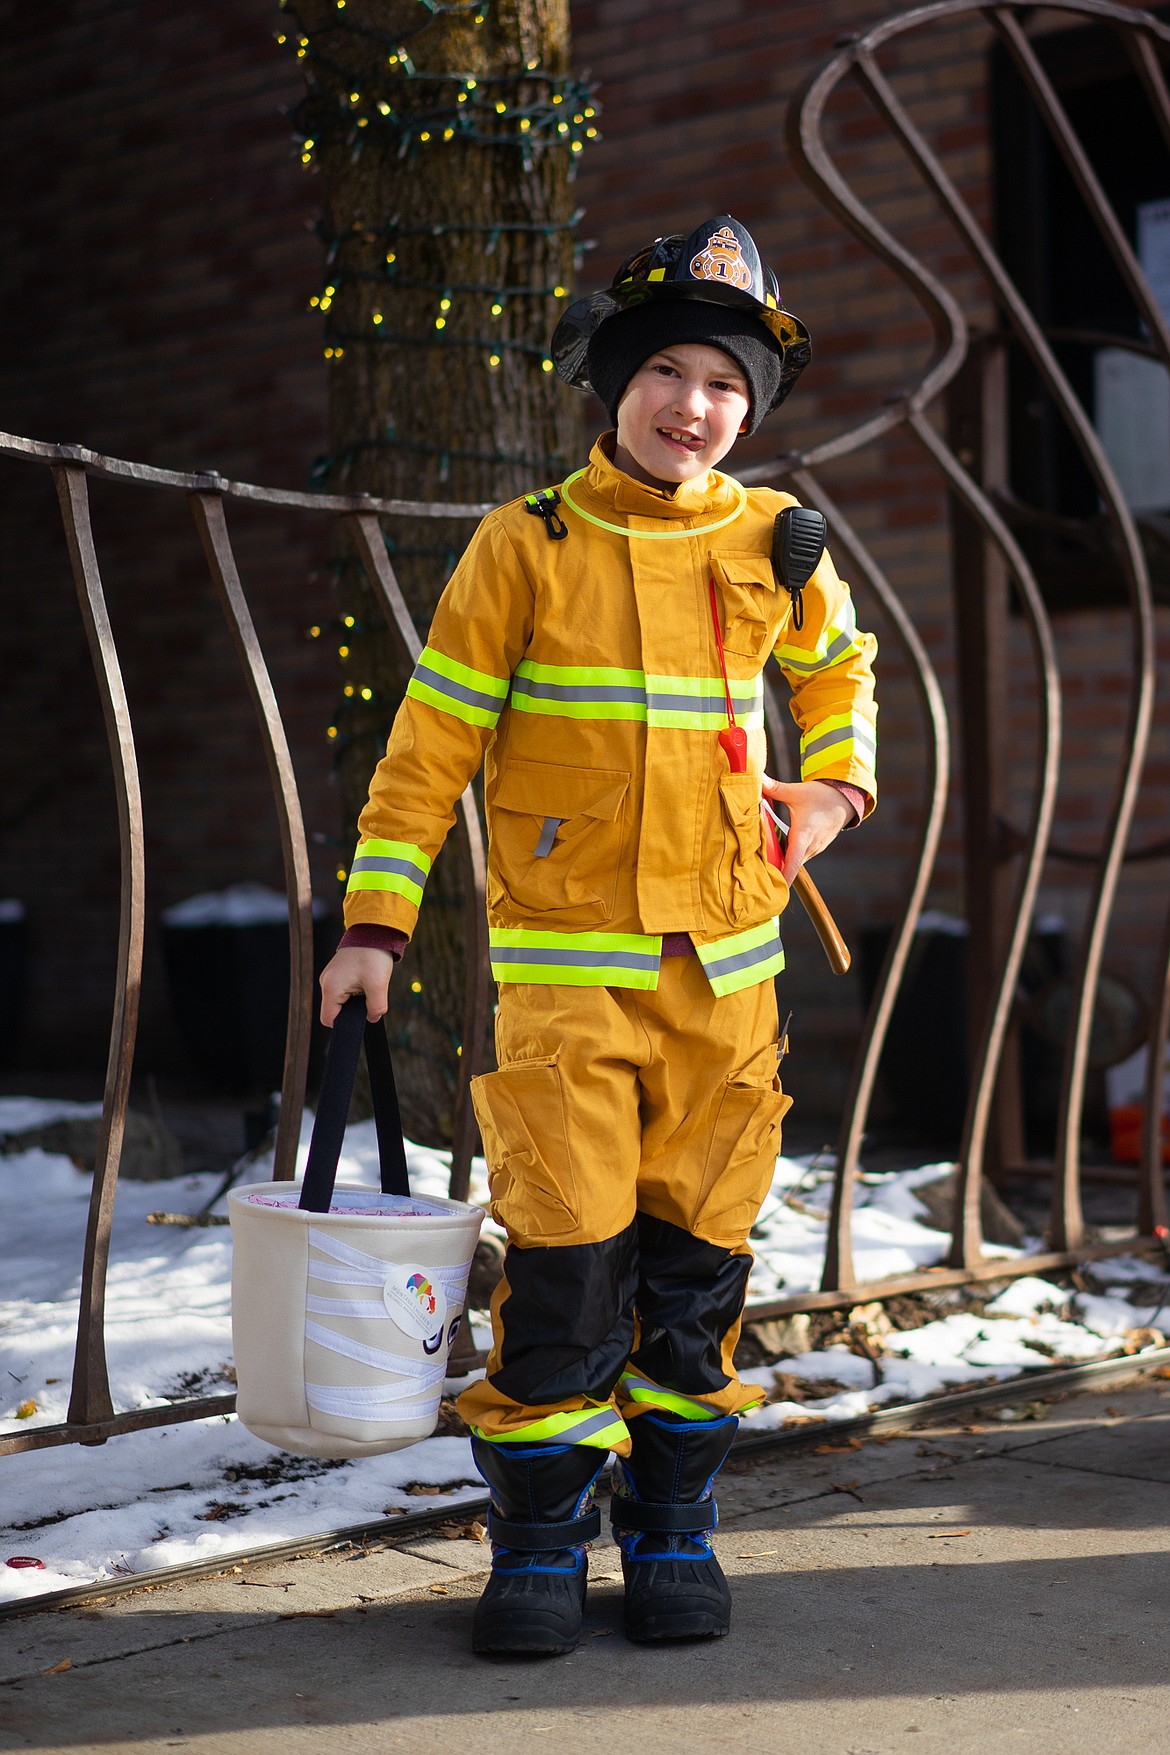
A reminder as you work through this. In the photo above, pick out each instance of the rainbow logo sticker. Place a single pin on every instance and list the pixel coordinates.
(416, 1303)
(423, 1291)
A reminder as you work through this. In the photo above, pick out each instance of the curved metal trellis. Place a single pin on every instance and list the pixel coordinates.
(92, 1417)
(857, 57)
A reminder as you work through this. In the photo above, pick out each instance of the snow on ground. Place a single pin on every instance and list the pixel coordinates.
(204, 1490)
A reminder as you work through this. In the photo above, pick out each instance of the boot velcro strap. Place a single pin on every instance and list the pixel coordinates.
(637, 1514)
(541, 1538)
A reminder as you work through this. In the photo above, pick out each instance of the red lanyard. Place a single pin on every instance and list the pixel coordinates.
(733, 741)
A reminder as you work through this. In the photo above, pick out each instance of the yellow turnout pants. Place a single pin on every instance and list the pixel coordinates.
(631, 1138)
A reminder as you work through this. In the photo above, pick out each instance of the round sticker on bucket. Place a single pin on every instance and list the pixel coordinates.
(417, 1303)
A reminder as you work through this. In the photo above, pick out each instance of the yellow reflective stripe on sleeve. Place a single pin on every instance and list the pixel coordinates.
(575, 959)
(397, 866)
(837, 740)
(650, 1394)
(743, 959)
(474, 696)
(839, 642)
(600, 1427)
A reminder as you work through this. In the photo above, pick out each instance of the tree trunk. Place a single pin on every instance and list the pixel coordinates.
(446, 138)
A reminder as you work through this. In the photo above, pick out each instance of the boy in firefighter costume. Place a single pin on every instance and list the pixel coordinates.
(580, 650)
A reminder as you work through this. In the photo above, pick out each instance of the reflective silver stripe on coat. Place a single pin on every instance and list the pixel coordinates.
(658, 702)
(855, 733)
(568, 959)
(550, 691)
(456, 691)
(407, 868)
(832, 654)
(743, 959)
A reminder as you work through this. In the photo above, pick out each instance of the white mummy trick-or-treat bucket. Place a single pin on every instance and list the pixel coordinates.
(346, 1300)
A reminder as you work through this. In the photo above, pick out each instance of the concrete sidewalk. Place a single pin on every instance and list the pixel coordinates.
(982, 1587)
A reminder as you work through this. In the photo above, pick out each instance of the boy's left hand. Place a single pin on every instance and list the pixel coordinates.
(817, 814)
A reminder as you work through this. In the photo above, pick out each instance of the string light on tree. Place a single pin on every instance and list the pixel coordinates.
(372, 92)
(530, 104)
(361, 711)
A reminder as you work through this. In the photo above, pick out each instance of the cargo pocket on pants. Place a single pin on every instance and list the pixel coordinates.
(521, 1115)
(741, 1161)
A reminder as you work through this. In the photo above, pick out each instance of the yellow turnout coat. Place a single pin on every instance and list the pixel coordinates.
(587, 672)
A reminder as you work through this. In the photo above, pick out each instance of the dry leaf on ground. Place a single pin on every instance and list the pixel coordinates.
(1137, 1339)
(462, 1532)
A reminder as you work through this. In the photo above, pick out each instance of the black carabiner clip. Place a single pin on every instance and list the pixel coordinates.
(544, 504)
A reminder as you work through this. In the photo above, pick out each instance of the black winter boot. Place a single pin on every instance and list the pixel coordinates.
(542, 1514)
(661, 1510)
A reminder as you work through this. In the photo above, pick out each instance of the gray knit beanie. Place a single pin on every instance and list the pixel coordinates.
(627, 340)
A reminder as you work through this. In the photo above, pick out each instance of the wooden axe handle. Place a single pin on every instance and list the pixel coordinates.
(836, 949)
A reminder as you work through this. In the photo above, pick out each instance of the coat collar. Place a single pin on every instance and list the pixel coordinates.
(608, 489)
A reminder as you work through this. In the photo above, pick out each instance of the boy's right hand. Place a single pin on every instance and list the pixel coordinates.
(357, 969)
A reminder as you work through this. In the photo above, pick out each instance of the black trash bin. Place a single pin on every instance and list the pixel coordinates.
(227, 963)
(923, 1069)
(13, 977)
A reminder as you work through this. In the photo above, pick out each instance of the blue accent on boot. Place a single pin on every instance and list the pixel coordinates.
(542, 1496)
(662, 1509)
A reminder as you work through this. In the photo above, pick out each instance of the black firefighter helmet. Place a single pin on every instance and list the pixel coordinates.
(719, 263)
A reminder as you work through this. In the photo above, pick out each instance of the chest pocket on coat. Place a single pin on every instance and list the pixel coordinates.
(556, 838)
(751, 608)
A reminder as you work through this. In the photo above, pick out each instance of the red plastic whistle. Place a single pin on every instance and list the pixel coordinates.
(733, 743)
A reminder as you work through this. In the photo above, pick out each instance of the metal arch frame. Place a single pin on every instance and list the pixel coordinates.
(92, 1418)
(857, 57)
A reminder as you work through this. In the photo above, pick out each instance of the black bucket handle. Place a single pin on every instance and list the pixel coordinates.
(341, 1060)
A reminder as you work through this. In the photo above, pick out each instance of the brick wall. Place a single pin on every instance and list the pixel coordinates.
(155, 284)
